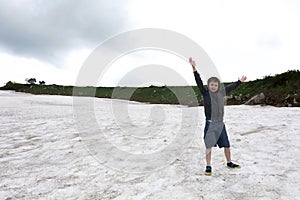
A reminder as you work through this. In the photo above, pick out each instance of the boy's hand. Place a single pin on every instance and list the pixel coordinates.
(193, 63)
(243, 79)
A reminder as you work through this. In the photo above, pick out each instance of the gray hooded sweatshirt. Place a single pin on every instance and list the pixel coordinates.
(214, 101)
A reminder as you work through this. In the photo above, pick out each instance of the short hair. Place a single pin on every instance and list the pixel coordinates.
(213, 79)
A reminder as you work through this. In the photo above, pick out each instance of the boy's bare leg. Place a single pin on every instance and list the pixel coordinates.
(227, 154)
(208, 157)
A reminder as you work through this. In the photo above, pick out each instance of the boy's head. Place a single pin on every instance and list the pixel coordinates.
(213, 84)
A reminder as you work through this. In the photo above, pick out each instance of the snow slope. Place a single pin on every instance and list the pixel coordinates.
(43, 156)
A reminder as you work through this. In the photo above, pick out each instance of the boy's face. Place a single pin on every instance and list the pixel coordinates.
(213, 86)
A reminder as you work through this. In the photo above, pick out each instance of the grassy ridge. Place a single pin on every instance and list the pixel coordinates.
(280, 90)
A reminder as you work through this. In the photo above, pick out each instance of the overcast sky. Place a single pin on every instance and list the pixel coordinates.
(50, 40)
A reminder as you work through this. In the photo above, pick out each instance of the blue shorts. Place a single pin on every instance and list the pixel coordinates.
(215, 134)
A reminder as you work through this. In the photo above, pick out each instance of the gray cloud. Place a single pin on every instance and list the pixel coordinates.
(47, 30)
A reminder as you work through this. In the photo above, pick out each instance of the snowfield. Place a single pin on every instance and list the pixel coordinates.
(44, 156)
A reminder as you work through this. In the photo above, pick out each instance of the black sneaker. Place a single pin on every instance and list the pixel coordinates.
(208, 170)
(232, 165)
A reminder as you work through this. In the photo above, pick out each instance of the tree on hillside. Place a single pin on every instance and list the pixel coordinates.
(42, 82)
(9, 85)
(31, 81)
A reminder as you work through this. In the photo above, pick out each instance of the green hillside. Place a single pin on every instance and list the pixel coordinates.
(279, 90)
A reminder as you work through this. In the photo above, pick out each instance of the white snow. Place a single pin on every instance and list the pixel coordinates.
(43, 156)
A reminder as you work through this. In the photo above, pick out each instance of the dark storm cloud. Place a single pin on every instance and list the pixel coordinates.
(46, 30)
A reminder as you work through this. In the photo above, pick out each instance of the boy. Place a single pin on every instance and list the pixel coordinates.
(215, 131)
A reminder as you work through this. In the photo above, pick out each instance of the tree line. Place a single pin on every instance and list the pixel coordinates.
(32, 81)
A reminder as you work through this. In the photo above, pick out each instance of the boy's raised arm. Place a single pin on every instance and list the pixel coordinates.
(234, 85)
(197, 76)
